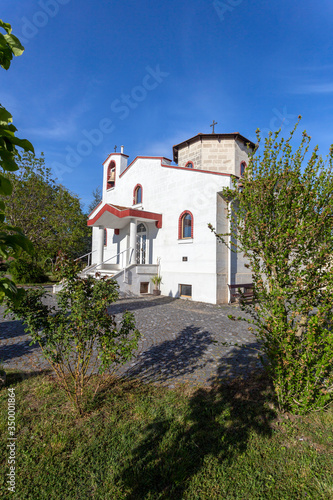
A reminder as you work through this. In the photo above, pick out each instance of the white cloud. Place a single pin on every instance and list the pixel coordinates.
(314, 88)
(65, 126)
(58, 131)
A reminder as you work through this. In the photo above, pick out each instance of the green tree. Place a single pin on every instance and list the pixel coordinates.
(79, 337)
(50, 215)
(97, 198)
(12, 240)
(282, 221)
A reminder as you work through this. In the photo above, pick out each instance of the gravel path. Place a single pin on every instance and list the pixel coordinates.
(182, 341)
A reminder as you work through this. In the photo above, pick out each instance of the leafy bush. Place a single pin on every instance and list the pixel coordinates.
(4, 266)
(78, 337)
(23, 271)
(281, 218)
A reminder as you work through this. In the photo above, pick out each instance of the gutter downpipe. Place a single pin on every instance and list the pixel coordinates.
(229, 253)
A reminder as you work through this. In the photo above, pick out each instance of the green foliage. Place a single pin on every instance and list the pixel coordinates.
(156, 281)
(51, 216)
(12, 240)
(26, 271)
(9, 45)
(97, 198)
(79, 337)
(282, 221)
(142, 441)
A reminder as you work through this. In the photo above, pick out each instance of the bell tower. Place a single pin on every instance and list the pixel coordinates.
(113, 167)
(223, 153)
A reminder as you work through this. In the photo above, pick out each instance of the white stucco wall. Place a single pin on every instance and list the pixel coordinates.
(170, 190)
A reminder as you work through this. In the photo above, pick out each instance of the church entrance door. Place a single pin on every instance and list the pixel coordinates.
(141, 244)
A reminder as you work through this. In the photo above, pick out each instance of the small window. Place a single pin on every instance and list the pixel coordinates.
(185, 227)
(242, 168)
(137, 198)
(111, 175)
(189, 164)
(144, 287)
(105, 237)
(141, 228)
(185, 291)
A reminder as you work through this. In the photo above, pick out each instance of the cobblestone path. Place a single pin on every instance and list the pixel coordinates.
(182, 341)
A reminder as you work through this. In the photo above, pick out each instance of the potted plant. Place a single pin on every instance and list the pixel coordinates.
(157, 280)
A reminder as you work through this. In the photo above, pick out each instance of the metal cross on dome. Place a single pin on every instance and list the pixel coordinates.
(115, 148)
(213, 125)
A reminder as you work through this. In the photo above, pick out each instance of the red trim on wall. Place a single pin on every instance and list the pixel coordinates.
(95, 208)
(127, 212)
(198, 170)
(112, 165)
(176, 167)
(114, 154)
(134, 194)
(180, 220)
(116, 232)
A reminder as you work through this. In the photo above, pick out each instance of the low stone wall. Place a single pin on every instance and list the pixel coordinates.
(135, 275)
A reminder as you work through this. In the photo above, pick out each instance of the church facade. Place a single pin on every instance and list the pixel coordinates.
(154, 215)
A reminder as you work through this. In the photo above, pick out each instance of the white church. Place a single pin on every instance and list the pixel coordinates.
(154, 215)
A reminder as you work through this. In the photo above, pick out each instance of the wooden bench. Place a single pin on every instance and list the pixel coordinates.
(245, 294)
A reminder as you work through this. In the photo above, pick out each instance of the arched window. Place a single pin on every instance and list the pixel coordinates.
(242, 168)
(185, 226)
(111, 175)
(189, 164)
(137, 195)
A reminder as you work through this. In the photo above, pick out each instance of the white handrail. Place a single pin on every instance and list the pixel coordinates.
(85, 255)
(107, 260)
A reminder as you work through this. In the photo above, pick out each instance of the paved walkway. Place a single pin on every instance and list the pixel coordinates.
(182, 341)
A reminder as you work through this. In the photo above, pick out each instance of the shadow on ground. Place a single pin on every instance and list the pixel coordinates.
(8, 352)
(219, 424)
(10, 329)
(188, 352)
(14, 377)
(238, 361)
(172, 358)
(128, 304)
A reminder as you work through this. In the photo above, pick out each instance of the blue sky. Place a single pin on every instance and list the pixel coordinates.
(148, 75)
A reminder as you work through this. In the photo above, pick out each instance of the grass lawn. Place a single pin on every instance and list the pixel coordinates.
(144, 442)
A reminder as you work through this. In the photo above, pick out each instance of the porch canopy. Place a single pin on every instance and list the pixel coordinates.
(117, 217)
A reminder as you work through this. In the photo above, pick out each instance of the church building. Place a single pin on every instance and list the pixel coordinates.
(154, 215)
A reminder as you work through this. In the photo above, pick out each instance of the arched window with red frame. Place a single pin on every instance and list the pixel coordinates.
(137, 194)
(242, 168)
(189, 164)
(111, 175)
(185, 225)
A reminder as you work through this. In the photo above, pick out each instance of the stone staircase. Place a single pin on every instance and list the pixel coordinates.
(129, 279)
(105, 270)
